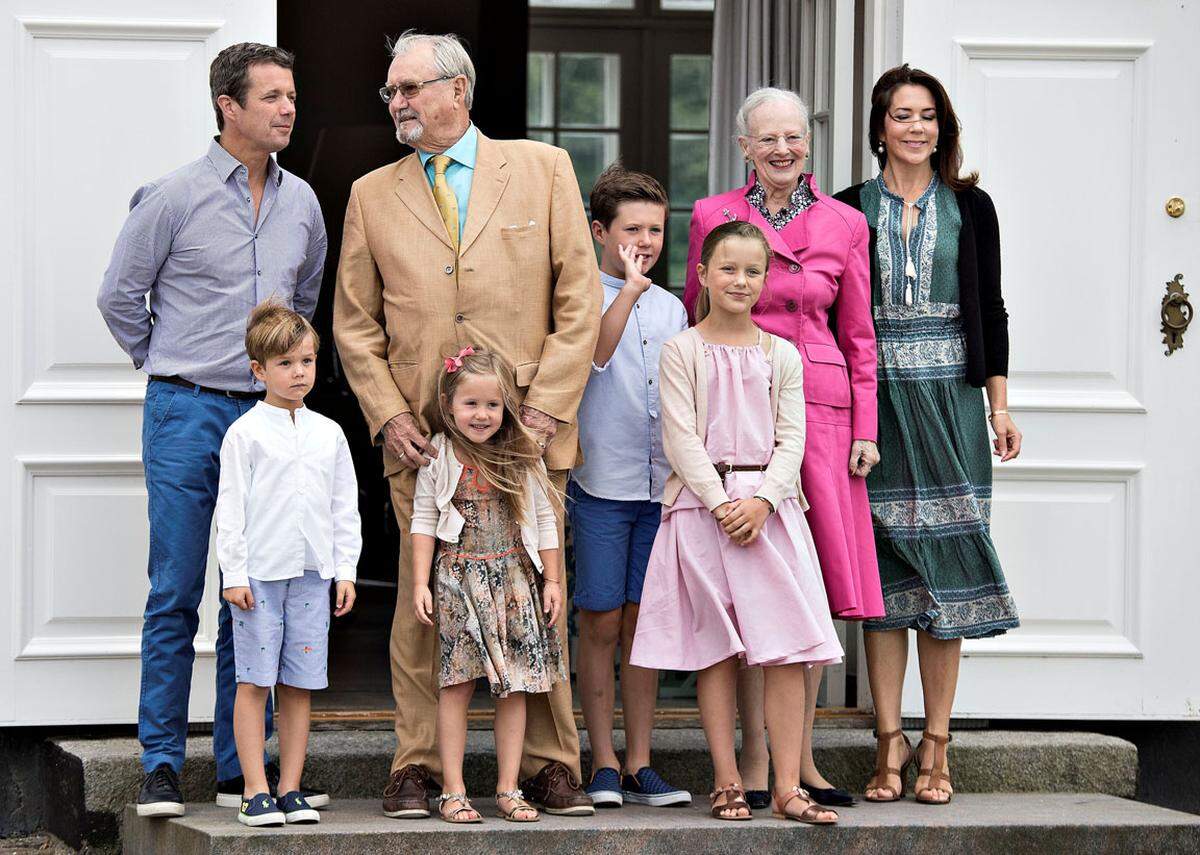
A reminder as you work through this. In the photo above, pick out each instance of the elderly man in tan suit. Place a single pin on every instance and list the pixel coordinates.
(467, 241)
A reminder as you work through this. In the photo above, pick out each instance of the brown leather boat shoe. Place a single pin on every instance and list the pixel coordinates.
(407, 793)
(557, 791)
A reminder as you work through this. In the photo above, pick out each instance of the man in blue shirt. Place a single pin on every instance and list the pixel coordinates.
(206, 243)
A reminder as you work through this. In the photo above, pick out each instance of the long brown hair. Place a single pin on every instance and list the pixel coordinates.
(512, 453)
(947, 160)
(723, 232)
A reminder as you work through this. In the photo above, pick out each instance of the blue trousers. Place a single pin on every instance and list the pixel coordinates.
(182, 431)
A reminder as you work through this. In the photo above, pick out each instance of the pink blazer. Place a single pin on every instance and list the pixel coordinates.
(819, 268)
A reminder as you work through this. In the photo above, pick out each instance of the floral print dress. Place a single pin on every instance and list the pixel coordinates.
(489, 600)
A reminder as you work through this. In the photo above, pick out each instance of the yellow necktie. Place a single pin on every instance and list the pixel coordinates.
(446, 202)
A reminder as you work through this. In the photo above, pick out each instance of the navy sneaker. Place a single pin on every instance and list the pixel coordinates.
(160, 795)
(260, 810)
(605, 788)
(648, 788)
(229, 791)
(297, 809)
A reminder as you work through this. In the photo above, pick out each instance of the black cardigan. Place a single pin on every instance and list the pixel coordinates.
(984, 319)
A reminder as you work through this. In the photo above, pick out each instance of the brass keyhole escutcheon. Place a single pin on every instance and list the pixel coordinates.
(1176, 314)
(1175, 207)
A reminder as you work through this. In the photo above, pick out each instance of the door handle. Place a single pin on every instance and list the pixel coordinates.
(1176, 313)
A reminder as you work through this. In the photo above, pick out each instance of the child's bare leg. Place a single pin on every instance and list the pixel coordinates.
(293, 721)
(510, 744)
(249, 714)
(809, 773)
(716, 690)
(639, 693)
(452, 737)
(598, 635)
(783, 696)
(753, 760)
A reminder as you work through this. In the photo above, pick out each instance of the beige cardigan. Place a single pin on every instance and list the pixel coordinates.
(683, 381)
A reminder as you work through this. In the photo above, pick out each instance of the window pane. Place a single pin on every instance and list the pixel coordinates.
(589, 90)
(675, 5)
(689, 168)
(677, 248)
(590, 4)
(540, 110)
(590, 153)
(690, 80)
(542, 136)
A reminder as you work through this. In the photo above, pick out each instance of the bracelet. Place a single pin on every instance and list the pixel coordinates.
(998, 413)
(549, 581)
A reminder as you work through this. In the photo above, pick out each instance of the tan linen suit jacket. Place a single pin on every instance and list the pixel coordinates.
(525, 284)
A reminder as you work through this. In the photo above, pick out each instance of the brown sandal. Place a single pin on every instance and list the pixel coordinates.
(518, 801)
(883, 770)
(808, 815)
(454, 816)
(735, 797)
(935, 778)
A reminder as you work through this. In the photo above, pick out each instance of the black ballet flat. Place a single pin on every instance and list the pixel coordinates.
(828, 797)
(758, 799)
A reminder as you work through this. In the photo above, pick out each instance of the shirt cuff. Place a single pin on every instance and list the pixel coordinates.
(235, 580)
(346, 573)
(600, 369)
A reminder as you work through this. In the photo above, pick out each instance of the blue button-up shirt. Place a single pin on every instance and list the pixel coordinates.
(192, 242)
(459, 172)
(619, 428)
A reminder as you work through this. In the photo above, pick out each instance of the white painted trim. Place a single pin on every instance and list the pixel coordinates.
(153, 29)
(51, 392)
(1052, 48)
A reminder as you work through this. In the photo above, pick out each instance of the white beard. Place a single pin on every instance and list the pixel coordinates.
(412, 136)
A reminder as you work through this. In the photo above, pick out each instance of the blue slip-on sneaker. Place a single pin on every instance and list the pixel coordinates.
(648, 788)
(297, 809)
(260, 810)
(605, 788)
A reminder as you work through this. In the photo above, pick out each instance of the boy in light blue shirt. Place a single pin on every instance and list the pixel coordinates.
(615, 494)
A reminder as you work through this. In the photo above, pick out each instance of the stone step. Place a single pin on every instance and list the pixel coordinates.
(977, 823)
(94, 779)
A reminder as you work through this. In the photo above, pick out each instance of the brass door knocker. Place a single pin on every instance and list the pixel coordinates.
(1176, 314)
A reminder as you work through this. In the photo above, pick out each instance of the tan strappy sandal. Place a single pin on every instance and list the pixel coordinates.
(935, 778)
(455, 816)
(808, 815)
(883, 770)
(518, 801)
(735, 797)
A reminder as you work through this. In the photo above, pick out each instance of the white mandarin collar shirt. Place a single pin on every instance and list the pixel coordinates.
(287, 500)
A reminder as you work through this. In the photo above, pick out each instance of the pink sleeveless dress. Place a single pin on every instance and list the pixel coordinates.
(706, 598)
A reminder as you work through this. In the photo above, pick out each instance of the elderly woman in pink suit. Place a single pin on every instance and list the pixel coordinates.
(818, 296)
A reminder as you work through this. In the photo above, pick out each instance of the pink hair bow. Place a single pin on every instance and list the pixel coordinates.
(453, 363)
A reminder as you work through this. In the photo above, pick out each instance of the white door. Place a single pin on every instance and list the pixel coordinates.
(1082, 118)
(97, 99)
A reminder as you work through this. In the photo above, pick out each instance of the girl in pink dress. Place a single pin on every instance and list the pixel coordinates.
(733, 576)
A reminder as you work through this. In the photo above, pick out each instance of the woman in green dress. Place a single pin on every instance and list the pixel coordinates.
(942, 333)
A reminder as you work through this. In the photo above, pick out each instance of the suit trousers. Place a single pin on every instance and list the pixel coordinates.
(550, 732)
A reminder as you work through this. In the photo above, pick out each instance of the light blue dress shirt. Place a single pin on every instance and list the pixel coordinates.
(619, 429)
(460, 171)
(193, 243)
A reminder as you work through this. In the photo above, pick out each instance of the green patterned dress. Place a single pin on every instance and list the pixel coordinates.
(931, 493)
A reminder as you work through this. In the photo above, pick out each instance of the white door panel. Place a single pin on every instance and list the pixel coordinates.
(102, 99)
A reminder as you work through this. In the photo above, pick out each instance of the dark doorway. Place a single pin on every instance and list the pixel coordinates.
(342, 132)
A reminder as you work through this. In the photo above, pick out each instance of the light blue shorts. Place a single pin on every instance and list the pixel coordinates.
(285, 637)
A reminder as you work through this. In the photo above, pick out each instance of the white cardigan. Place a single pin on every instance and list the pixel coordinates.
(434, 513)
(683, 390)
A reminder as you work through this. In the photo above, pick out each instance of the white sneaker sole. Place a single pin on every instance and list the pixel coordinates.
(161, 809)
(607, 798)
(276, 818)
(234, 800)
(661, 800)
(302, 817)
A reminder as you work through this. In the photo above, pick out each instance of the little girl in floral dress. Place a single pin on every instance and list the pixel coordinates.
(484, 525)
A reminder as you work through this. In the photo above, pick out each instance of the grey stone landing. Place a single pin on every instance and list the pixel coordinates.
(1003, 823)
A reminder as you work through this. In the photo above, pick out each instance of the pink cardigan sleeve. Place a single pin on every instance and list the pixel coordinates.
(696, 235)
(856, 333)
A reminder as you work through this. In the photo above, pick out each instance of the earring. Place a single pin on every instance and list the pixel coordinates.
(935, 149)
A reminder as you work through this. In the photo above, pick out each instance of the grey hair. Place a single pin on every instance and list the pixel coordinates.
(761, 96)
(449, 56)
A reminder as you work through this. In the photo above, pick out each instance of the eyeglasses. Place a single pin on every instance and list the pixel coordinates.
(409, 90)
(792, 141)
(912, 120)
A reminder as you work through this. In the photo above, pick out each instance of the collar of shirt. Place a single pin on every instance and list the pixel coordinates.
(462, 152)
(921, 200)
(610, 281)
(226, 164)
(801, 199)
(281, 414)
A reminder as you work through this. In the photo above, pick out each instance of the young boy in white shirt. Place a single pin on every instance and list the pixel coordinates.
(287, 524)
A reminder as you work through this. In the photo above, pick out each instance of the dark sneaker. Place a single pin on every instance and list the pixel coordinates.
(160, 794)
(297, 809)
(557, 791)
(260, 810)
(407, 793)
(229, 792)
(605, 788)
(646, 787)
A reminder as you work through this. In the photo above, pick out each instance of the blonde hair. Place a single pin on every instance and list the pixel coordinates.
(513, 453)
(722, 233)
(273, 329)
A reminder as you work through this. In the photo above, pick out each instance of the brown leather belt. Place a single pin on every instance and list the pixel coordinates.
(187, 384)
(724, 469)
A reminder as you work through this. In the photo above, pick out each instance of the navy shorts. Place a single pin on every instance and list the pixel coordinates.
(612, 541)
